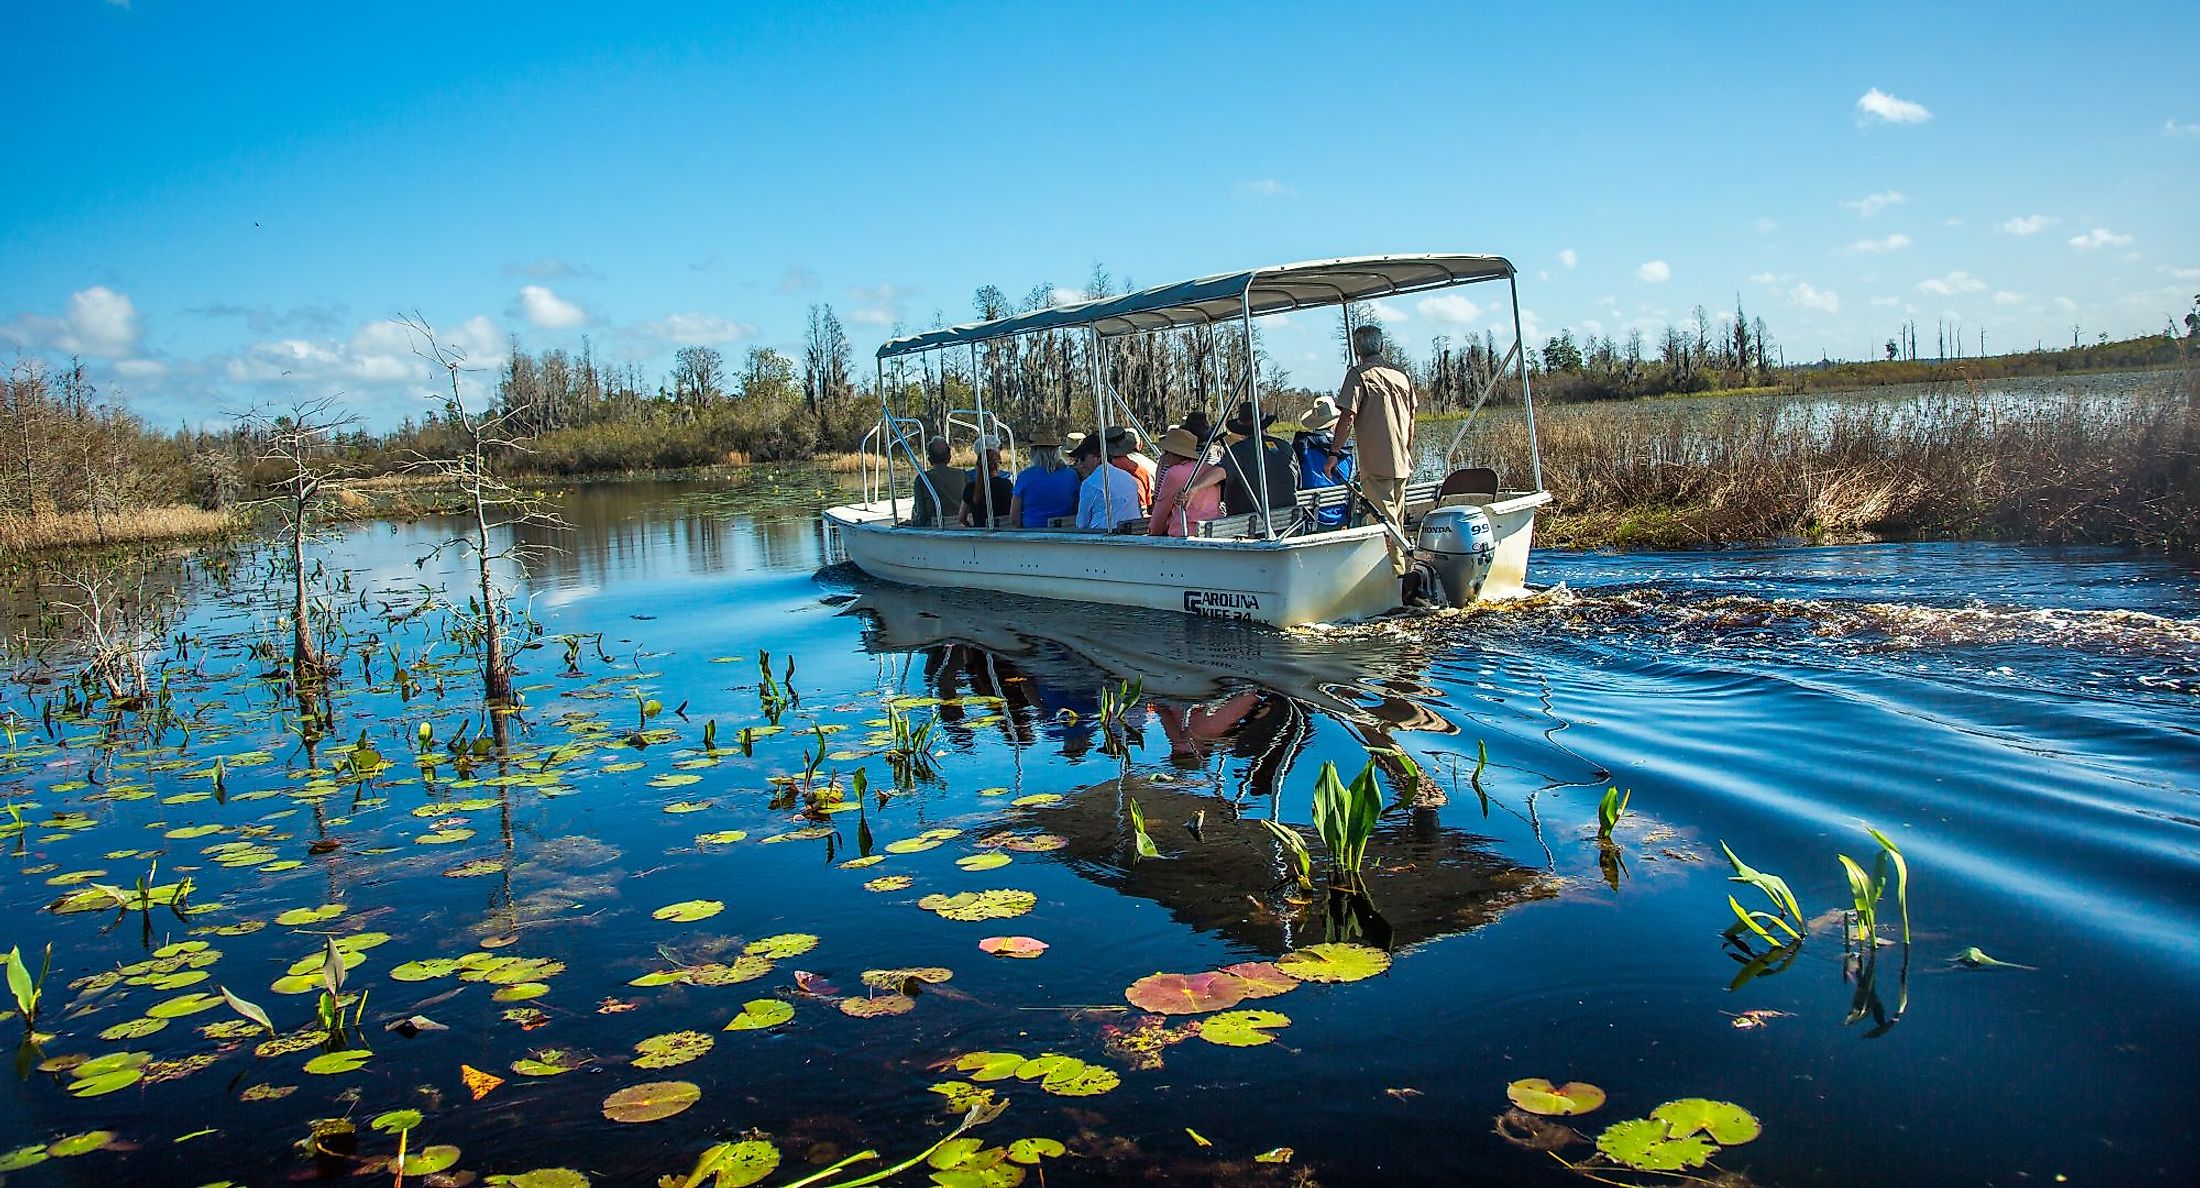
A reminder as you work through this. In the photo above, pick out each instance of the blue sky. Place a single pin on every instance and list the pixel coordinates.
(204, 197)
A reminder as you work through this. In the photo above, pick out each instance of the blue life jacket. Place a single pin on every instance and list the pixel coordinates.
(1313, 449)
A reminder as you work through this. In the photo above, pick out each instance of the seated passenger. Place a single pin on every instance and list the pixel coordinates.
(1001, 490)
(1175, 507)
(1312, 446)
(939, 489)
(1251, 457)
(1107, 498)
(1047, 488)
(1123, 454)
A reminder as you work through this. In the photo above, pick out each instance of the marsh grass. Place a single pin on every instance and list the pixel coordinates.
(83, 529)
(2108, 468)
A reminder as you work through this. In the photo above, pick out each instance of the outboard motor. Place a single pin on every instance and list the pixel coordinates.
(1458, 544)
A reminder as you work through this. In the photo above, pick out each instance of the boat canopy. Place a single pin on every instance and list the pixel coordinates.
(1308, 285)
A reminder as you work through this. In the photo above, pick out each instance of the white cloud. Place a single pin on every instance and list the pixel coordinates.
(2005, 297)
(877, 305)
(1655, 272)
(1766, 226)
(2066, 305)
(1762, 278)
(1955, 282)
(1878, 247)
(1805, 295)
(1266, 187)
(1450, 307)
(550, 268)
(2173, 128)
(695, 329)
(1567, 257)
(1876, 104)
(1871, 204)
(140, 368)
(2022, 225)
(547, 310)
(98, 322)
(1387, 313)
(2099, 237)
(2185, 273)
(377, 353)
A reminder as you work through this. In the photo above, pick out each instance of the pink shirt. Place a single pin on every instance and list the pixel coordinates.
(1204, 505)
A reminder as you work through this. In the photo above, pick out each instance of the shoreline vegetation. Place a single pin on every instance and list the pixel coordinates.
(1702, 441)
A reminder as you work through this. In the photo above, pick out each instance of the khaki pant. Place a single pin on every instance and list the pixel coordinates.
(1390, 495)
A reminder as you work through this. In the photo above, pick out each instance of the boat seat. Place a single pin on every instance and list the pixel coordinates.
(1468, 484)
(1247, 526)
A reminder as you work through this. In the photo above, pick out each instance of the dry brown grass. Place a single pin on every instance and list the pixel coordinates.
(80, 529)
(2109, 468)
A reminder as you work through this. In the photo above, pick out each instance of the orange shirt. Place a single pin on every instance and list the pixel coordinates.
(1145, 480)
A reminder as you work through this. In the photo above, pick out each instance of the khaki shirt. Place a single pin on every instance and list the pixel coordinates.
(1381, 399)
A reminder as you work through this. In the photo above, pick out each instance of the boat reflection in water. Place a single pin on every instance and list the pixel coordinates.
(1237, 707)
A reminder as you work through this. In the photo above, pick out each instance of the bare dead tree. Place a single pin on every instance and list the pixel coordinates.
(298, 444)
(496, 507)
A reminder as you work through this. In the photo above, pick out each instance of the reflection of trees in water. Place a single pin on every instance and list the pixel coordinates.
(626, 530)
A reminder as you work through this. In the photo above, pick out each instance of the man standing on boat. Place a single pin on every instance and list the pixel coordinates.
(1378, 403)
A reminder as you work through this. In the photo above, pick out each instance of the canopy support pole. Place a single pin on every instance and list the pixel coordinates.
(1527, 398)
(886, 442)
(1260, 428)
(985, 479)
(1100, 419)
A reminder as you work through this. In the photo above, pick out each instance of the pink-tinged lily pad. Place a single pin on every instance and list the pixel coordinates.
(1186, 994)
(1013, 946)
(1262, 979)
(1539, 1096)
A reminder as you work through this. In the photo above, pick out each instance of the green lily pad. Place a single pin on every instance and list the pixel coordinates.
(1242, 1029)
(737, 1165)
(652, 1102)
(130, 1029)
(671, 1049)
(545, 1177)
(22, 1157)
(333, 1063)
(989, 1066)
(427, 1161)
(990, 860)
(785, 944)
(675, 779)
(689, 911)
(424, 970)
(101, 1084)
(80, 1144)
(962, 1096)
(1538, 1096)
(1727, 1124)
(299, 916)
(396, 1120)
(1092, 1082)
(877, 1006)
(1646, 1145)
(521, 992)
(1032, 1150)
(549, 1062)
(183, 1004)
(980, 905)
(1342, 962)
(760, 1014)
(724, 837)
(890, 883)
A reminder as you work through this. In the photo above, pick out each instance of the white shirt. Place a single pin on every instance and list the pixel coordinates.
(1106, 498)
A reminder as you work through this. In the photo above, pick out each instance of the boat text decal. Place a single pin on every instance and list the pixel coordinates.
(1222, 604)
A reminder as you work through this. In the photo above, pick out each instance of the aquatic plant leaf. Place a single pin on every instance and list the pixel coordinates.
(651, 1102)
(130, 1029)
(333, 1063)
(760, 1013)
(1032, 1150)
(548, 1062)
(1091, 1082)
(79, 1144)
(898, 979)
(724, 837)
(746, 968)
(989, 1066)
(267, 1092)
(296, 1041)
(1646, 1145)
(102, 1084)
(182, 1005)
(1050, 1066)
(992, 860)
(914, 845)
(1337, 962)
(860, 863)
(671, 1049)
(1262, 979)
(980, 905)
(22, 1157)
(396, 1120)
(1242, 1029)
(890, 883)
(1036, 843)
(1727, 1124)
(546, 1177)
(477, 1082)
(675, 779)
(1976, 958)
(1275, 1155)
(426, 1161)
(737, 1165)
(299, 916)
(877, 1006)
(1024, 947)
(785, 944)
(1538, 1096)
(1185, 994)
(962, 1096)
(424, 970)
(249, 1010)
(521, 992)
(475, 869)
(689, 911)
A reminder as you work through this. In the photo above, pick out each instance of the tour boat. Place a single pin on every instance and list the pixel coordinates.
(1463, 527)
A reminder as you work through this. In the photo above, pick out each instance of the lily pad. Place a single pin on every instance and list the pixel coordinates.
(1025, 947)
(542, 1177)
(786, 944)
(1727, 1124)
(397, 1120)
(1185, 994)
(1032, 1150)
(424, 970)
(990, 860)
(1538, 1096)
(1092, 1082)
(760, 1014)
(548, 1062)
(1646, 1145)
(689, 911)
(331, 1063)
(1242, 1029)
(989, 1066)
(80, 1144)
(877, 1006)
(22, 1157)
(672, 1048)
(427, 1161)
(890, 883)
(651, 1102)
(1262, 979)
(980, 905)
(738, 1165)
(301, 916)
(1341, 962)
(897, 979)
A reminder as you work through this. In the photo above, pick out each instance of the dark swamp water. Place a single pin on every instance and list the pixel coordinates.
(2019, 721)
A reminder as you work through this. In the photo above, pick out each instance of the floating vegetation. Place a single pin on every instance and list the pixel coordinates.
(980, 905)
(651, 1102)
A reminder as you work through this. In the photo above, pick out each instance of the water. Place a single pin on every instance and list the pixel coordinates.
(2019, 720)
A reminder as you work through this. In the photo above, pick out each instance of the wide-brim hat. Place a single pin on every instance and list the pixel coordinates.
(1072, 440)
(1180, 441)
(1122, 441)
(1044, 439)
(1088, 448)
(1241, 421)
(1322, 417)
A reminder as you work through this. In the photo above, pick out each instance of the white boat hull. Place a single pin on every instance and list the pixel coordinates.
(1324, 577)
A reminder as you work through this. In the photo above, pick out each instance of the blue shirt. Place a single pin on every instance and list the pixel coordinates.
(1046, 494)
(1313, 449)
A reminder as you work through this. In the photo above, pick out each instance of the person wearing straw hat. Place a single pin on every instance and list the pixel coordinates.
(1124, 455)
(1045, 490)
(1173, 515)
(1313, 445)
(1243, 466)
(1378, 403)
